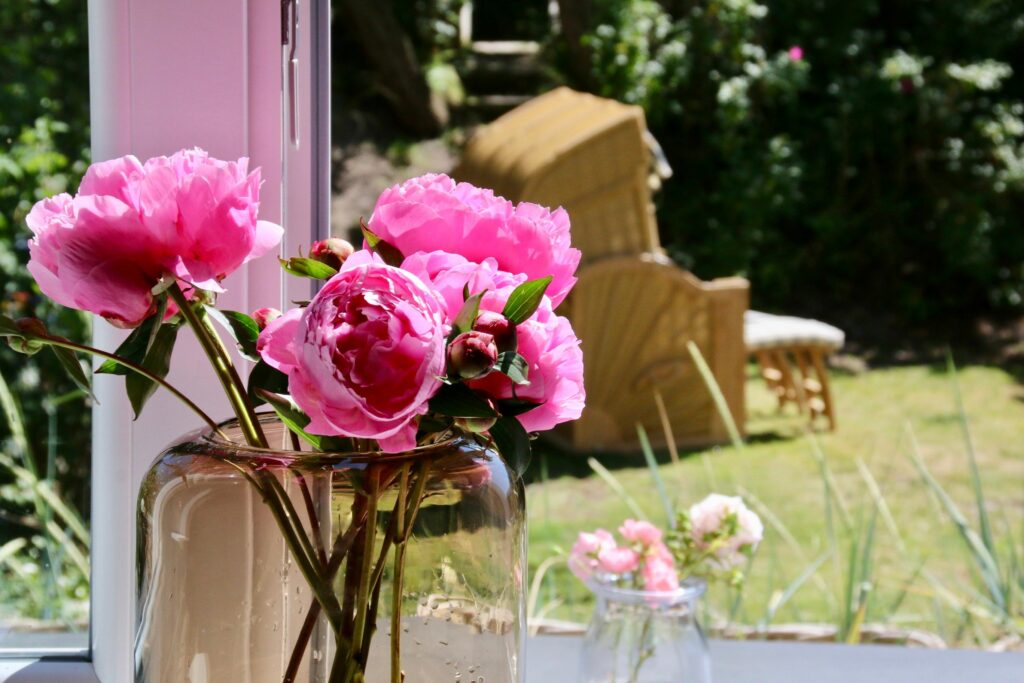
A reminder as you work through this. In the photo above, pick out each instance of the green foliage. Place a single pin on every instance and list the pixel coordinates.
(881, 166)
(44, 134)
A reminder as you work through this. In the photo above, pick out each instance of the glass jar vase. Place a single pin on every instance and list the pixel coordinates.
(280, 565)
(646, 637)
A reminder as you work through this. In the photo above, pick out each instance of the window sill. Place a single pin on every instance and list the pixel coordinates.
(47, 670)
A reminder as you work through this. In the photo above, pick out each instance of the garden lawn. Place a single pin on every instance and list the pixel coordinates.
(913, 567)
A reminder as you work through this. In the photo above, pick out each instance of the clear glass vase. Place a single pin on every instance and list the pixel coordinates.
(644, 637)
(278, 565)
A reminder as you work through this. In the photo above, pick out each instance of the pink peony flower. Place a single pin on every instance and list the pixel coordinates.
(708, 517)
(364, 357)
(641, 532)
(188, 215)
(546, 341)
(796, 53)
(618, 560)
(433, 213)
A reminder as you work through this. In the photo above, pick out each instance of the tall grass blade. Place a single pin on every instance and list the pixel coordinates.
(984, 560)
(716, 395)
(652, 465)
(617, 487)
(832, 491)
(536, 583)
(784, 597)
(881, 505)
(709, 472)
(965, 429)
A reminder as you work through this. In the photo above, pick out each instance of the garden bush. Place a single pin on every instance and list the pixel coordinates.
(854, 160)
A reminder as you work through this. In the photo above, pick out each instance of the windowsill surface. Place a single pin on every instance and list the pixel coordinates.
(553, 659)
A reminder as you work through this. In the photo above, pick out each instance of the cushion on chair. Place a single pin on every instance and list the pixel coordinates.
(765, 330)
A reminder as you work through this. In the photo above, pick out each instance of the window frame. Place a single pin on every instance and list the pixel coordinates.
(237, 98)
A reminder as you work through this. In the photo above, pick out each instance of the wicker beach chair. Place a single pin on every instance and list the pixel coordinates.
(634, 317)
(632, 308)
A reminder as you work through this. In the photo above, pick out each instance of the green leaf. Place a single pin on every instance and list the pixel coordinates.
(525, 299)
(69, 361)
(307, 267)
(157, 361)
(510, 407)
(463, 322)
(389, 252)
(458, 400)
(243, 329)
(290, 414)
(133, 348)
(264, 377)
(514, 366)
(512, 442)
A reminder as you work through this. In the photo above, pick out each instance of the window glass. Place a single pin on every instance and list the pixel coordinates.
(44, 423)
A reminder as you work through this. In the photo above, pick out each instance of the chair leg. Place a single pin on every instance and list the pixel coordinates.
(772, 376)
(794, 390)
(817, 358)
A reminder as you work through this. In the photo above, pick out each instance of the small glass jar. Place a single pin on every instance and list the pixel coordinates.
(646, 637)
(223, 598)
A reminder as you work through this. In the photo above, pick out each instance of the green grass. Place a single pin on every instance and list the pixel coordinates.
(920, 571)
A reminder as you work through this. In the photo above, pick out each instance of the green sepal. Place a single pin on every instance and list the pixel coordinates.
(463, 321)
(514, 366)
(525, 299)
(307, 267)
(264, 377)
(387, 251)
(133, 348)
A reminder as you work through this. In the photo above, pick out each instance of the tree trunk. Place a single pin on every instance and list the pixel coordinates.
(399, 77)
(575, 17)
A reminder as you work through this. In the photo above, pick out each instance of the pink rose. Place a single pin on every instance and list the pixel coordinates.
(641, 532)
(796, 53)
(618, 560)
(433, 213)
(364, 357)
(546, 341)
(130, 224)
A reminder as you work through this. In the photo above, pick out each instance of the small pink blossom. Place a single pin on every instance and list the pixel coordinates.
(618, 560)
(365, 356)
(708, 517)
(640, 531)
(434, 213)
(796, 53)
(583, 556)
(659, 574)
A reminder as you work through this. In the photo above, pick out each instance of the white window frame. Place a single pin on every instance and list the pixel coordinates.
(167, 74)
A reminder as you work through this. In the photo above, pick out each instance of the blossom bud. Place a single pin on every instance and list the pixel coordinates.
(472, 354)
(265, 316)
(32, 327)
(496, 325)
(333, 251)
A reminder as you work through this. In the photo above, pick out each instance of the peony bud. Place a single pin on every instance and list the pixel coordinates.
(333, 251)
(496, 325)
(472, 354)
(265, 316)
(32, 327)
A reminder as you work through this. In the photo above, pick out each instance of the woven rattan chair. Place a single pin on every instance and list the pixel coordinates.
(635, 316)
(584, 153)
(633, 310)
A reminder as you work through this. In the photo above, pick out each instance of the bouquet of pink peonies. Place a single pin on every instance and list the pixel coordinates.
(712, 539)
(443, 323)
